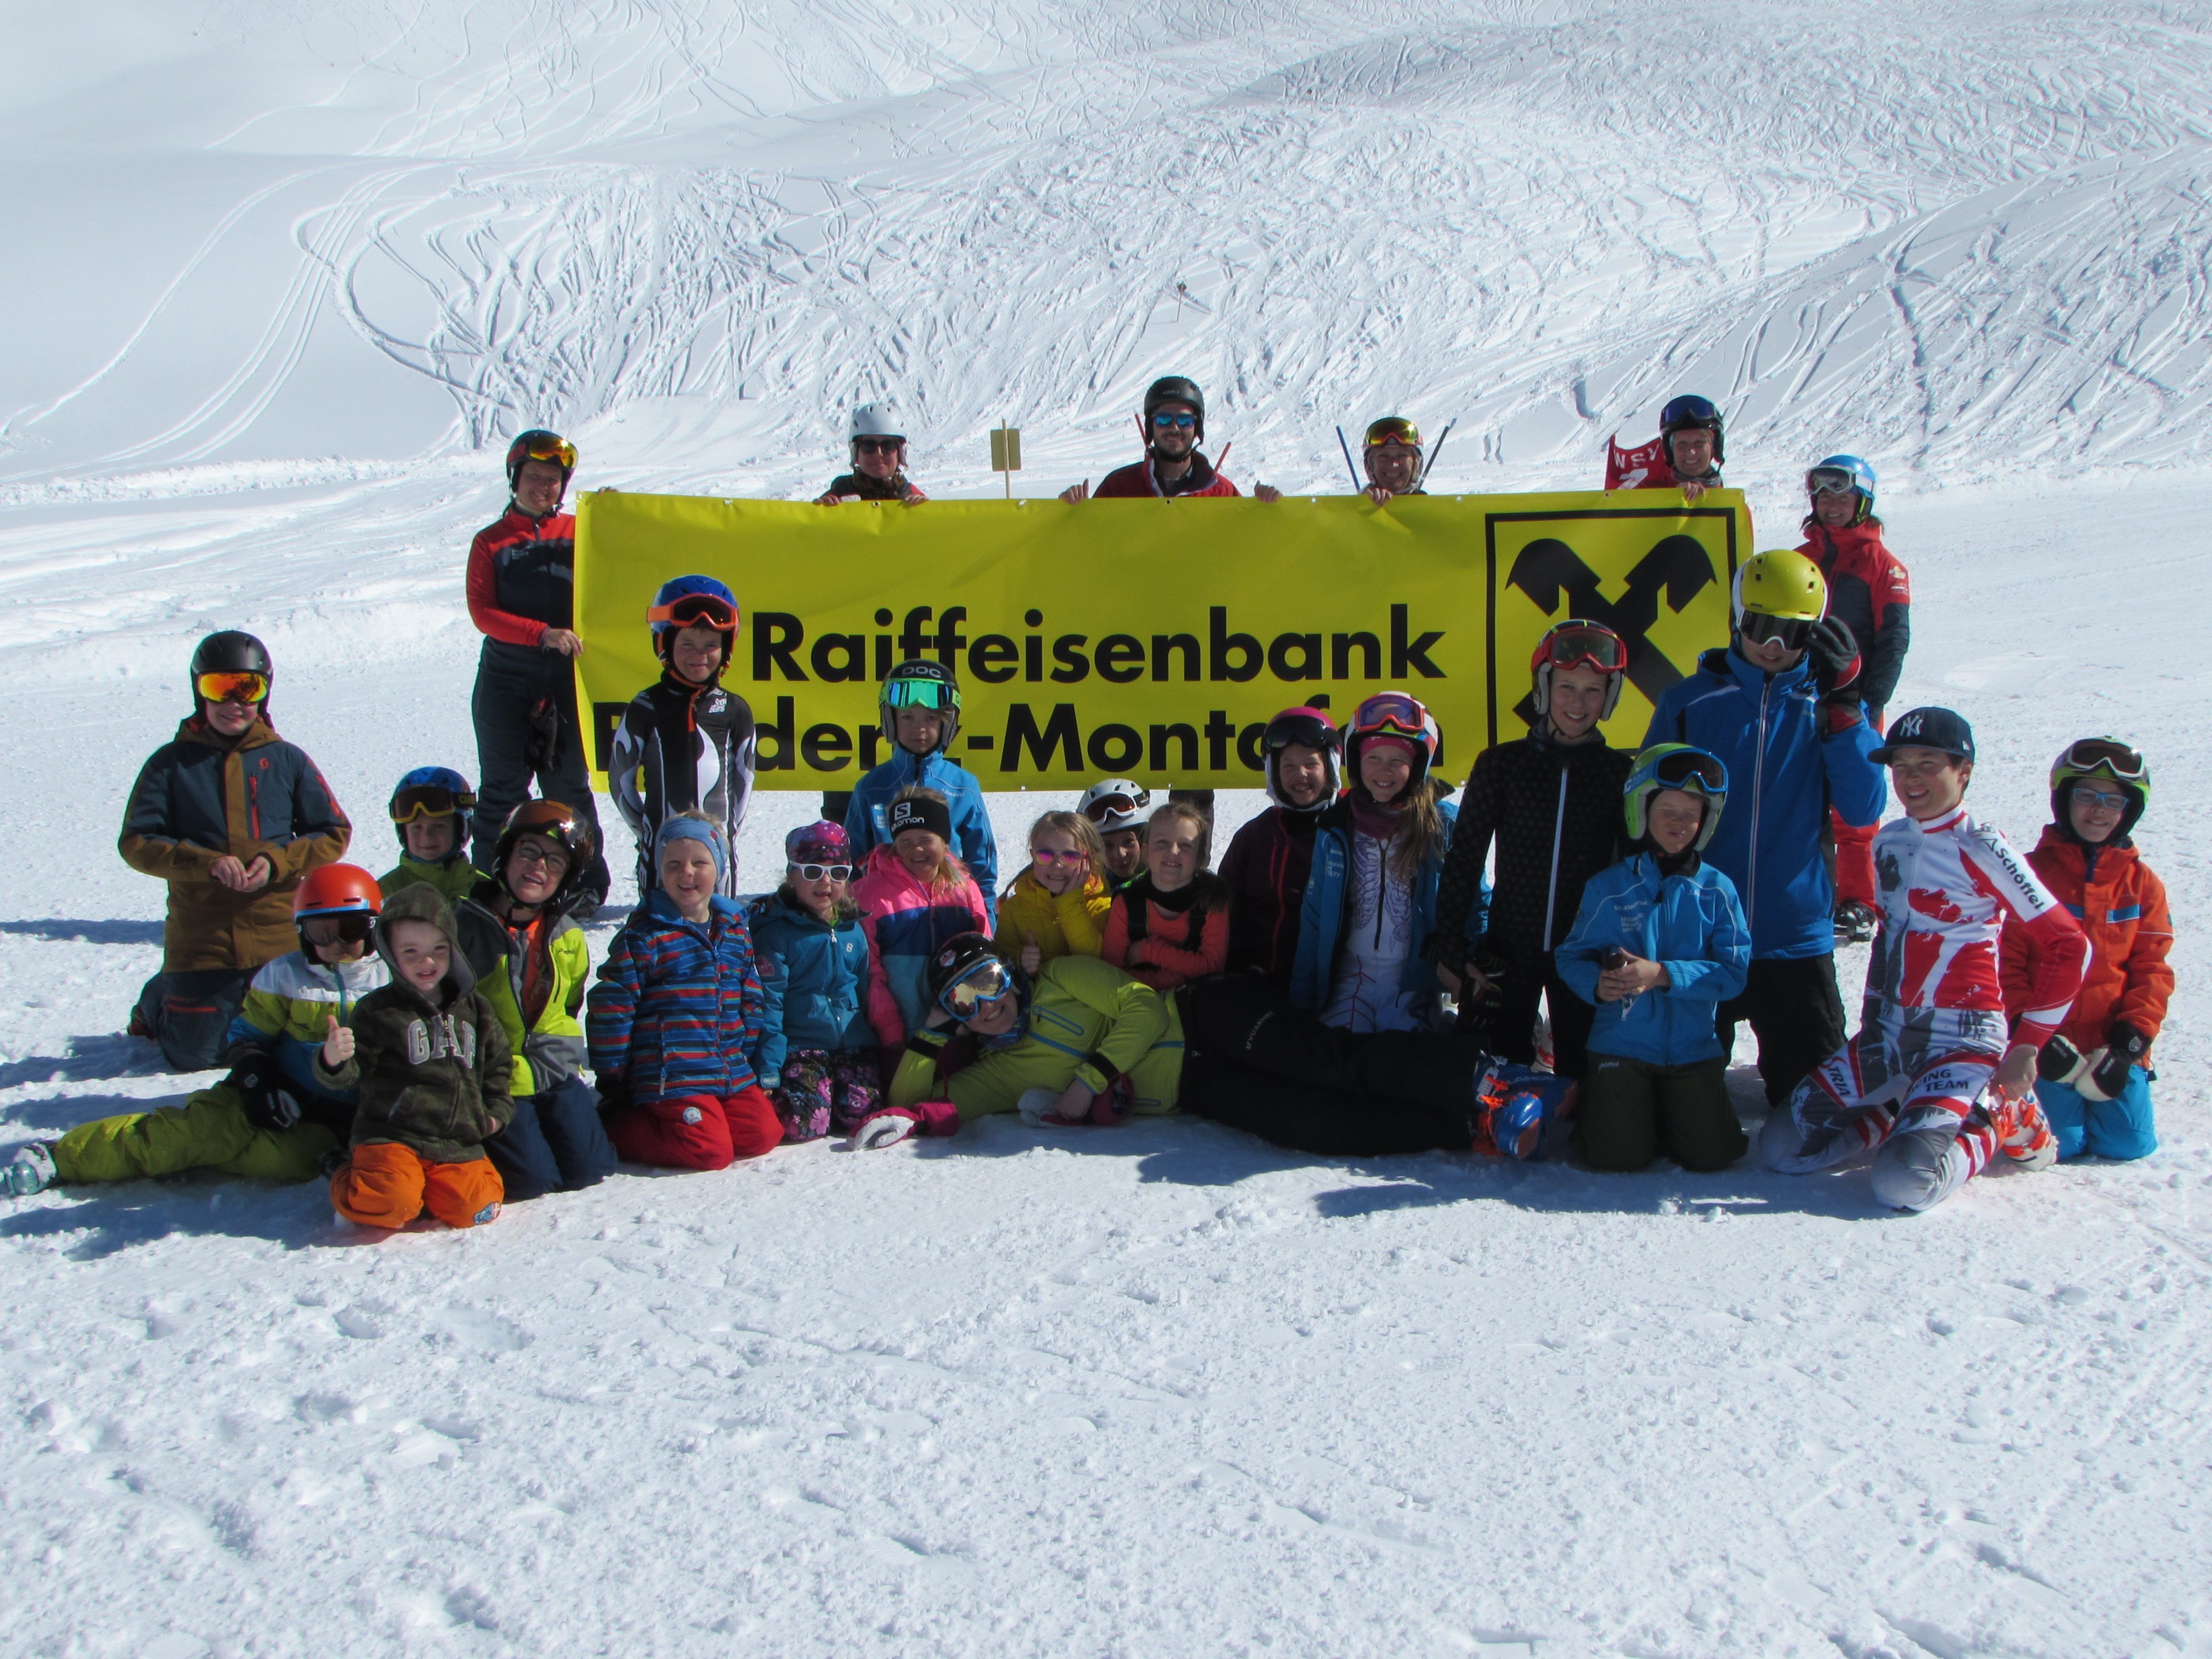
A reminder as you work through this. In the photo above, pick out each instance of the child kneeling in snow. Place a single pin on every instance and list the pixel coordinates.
(1932, 1079)
(1658, 944)
(679, 1014)
(817, 1058)
(2095, 1083)
(279, 1114)
(431, 1065)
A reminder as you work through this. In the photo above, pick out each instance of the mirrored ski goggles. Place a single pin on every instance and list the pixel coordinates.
(689, 608)
(1572, 644)
(1689, 409)
(428, 800)
(816, 871)
(1831, 481)
(985, 985)
(1790, 632)
(1389, 714)
(2105, 755)
(1299, 731)
(1166, 418)
(232, 688)
(1393, 430)
(559, 450)
(1704, 773)
(352, 926)
(919, 694)
(1105, 809)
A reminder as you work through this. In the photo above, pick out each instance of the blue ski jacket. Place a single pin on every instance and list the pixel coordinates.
(816, 980)
(867, 819)
(1328, 905)
(1783, 776)
(1689, 924)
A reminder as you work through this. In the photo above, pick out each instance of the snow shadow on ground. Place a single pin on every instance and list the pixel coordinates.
(63, 930)
(110, 1219)
(94, 1058)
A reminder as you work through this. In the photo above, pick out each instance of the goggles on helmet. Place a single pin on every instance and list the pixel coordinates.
(1758, 627)
(1390, 714)
(354, 926)
(429, 800)
(816, 872)
(1393, 430)
(238, 687)
(1571, 644)
(1104, 809)
(687, 608)
(1831, 481)
(2103, 755)
(1687, 769)
(1689, 409)
(1289, 731)
(547, 447)
(982, 986)
(919, 694)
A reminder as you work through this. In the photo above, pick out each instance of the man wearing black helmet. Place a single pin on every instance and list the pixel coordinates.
(522, 597)
(1686, 456)
(1172, 426)
(231, 816)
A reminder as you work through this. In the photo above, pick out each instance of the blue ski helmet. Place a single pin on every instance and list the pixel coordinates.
(1674, 766)
(1835, 470)
(687, 600)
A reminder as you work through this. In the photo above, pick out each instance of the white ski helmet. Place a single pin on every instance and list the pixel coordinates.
(877, 421)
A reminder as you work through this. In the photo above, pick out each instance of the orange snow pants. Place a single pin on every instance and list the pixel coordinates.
(388, 1185)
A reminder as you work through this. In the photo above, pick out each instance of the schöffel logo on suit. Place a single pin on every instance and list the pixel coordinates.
(439, 1039)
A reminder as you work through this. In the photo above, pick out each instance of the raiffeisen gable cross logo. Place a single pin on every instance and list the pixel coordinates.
(1670, 604)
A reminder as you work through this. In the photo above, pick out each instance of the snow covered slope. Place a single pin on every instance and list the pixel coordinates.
(277, 269)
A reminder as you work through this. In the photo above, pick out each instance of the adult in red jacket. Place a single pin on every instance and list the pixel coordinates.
(522, 597)
(1266, 864)
(2094, 1076)
(1172, 426)
(1867, 588)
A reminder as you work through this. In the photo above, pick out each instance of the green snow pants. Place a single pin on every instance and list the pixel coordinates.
(209, 1131)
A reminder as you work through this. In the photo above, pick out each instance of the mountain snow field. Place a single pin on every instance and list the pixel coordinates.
(284, 277)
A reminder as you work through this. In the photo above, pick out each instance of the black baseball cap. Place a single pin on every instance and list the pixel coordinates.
(1942, 729)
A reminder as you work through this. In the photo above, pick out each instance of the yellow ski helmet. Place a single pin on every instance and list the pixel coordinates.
(1781, 583)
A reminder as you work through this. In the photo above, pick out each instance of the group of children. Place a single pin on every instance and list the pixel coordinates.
(424, 1047)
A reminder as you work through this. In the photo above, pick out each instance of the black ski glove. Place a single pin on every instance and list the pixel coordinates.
(2123, 1047)
(1835, 658)
(267, 1106)
(614, 1094)
(2057, 1060)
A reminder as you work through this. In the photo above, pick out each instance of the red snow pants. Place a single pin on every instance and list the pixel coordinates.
(719, 1132)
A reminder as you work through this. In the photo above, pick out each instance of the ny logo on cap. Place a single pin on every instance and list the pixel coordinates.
(1909, 726)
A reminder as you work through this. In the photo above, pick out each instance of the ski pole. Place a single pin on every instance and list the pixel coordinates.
(1433, 454)
(1345, 444)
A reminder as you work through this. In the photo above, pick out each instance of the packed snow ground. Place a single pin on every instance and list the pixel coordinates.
(1161, 1390)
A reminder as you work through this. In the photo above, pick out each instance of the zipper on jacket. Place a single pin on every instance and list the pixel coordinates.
(1758, 791)
(1558, 827)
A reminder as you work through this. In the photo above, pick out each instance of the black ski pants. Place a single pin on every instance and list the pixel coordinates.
(1254, 1062)
(1507, 1027)
(1796, 1013)
(511, 681)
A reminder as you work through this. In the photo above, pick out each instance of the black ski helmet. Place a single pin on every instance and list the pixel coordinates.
(961, 956)
(1690, 412)
(231, 652)
(1176, 389)
(539, 444)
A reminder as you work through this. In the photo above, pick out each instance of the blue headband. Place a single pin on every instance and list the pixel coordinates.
(697, 829)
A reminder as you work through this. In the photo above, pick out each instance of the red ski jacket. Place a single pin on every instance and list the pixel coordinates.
(1136, 480)
(1867, 588)
(2121, 906)
(522, 576)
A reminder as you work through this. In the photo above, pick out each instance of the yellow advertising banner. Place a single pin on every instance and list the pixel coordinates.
(1146, 639)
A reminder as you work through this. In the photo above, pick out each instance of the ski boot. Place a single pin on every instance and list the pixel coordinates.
(31, 1172)
(1856, 922)
(1512, 1105)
